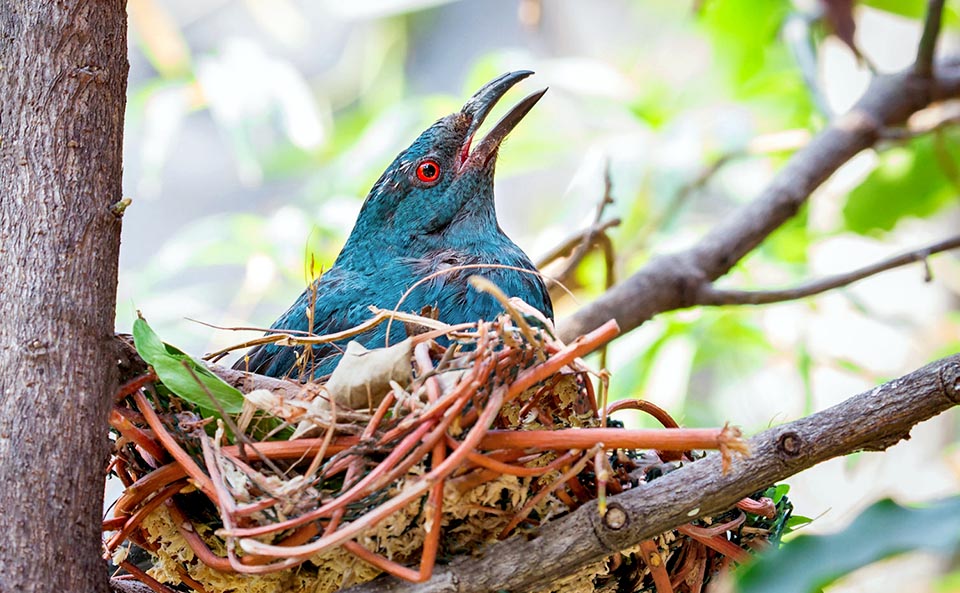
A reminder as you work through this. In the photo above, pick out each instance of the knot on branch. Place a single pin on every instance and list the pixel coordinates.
(37, 348)
(686, 276)
(789, 445)
(616, 517)
(950, 382)
(610, 527)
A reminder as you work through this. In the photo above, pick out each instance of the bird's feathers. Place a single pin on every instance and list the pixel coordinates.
(410, 229)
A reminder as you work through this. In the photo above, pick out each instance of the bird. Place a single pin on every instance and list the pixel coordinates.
(431, 211)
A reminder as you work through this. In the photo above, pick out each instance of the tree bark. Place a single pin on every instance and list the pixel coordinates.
(63, 71)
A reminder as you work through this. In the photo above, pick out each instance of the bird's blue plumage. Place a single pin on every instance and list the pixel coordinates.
(410, 227)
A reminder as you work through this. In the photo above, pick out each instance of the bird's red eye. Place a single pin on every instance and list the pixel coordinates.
(428, 171)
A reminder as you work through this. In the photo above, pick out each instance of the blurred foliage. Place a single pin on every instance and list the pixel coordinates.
(883, 530)
(915, 9)
(746, 44)
(917, 179)
(297, 107)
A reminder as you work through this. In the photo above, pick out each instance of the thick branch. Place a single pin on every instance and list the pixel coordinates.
(871, 421)
(62, 96)
(710, 295)
(672, 281)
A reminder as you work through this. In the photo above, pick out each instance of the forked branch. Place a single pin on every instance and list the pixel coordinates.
(674, 281)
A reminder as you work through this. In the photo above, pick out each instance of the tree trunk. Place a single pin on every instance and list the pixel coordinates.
(63, 70)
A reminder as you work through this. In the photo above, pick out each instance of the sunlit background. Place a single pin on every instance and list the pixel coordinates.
(256, 127)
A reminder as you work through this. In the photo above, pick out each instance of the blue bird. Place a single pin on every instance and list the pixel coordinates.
(430, 211)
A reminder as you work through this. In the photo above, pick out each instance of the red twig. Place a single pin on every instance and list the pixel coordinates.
(134, 385)
(716, 542)
(139, 437)
(644, 406)
(763, 507)
(650, 554)
(173, 448)
(144, 578)
(674, 439)
(533, 502)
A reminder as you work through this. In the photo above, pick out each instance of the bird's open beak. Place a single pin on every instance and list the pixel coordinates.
(480, 105)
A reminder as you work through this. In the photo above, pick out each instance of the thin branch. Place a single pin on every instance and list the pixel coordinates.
(284, 388)
(120, 585)
(710, 295)
(673, 281)
(591, 234)
(870, 421)
(923, 67)
(776, 142)
(581, 243)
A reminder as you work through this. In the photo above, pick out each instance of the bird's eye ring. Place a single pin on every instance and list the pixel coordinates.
(428, 171)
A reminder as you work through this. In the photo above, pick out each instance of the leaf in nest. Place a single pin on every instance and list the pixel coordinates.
(171, 366)
(362, 377)
(811, 562)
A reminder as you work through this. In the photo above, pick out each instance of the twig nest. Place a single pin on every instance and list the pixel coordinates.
(407, 454)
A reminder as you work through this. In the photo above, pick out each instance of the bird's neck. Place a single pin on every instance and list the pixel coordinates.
(380, 236)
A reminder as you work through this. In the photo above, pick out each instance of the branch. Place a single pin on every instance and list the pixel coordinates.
(588, 236)
(710, 295)
(776, 142)
(673, 281)
(870, 421)
(118, 585)
(923, 66)
(926, 121)
(581, 243)
(284, 388)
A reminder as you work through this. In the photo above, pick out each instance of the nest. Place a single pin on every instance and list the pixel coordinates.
(434, 447)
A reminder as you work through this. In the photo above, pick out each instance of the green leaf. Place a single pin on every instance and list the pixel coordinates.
(779, 491)
(907, 182)
(795, 522)
(171, 366)
(885, 529)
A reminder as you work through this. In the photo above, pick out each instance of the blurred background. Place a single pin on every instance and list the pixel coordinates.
(256, 127)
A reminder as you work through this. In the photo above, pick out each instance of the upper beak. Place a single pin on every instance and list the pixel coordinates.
(480, 105)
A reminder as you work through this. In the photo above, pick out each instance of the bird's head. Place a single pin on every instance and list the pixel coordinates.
(444, 177)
